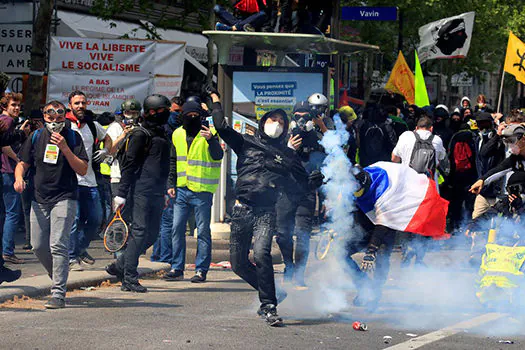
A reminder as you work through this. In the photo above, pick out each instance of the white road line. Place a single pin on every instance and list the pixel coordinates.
(418, 342)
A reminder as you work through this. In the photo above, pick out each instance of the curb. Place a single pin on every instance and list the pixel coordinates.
(41, 285)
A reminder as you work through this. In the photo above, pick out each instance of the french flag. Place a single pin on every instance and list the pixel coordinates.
(404, 200)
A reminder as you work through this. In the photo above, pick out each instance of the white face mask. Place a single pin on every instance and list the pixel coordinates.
(273, 130)
(55, 126)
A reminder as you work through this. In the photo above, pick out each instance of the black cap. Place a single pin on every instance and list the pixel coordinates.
(190, 107)
(301, 107)
(484, 117)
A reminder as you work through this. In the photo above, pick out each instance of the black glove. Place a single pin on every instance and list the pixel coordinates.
(315, 179)
(208, 89)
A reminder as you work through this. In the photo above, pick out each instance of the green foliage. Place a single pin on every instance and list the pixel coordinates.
(494, 19)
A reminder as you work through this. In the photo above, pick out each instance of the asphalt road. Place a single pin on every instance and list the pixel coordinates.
(432, 308)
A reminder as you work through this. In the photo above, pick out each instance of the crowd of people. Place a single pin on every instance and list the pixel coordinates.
(66, 171)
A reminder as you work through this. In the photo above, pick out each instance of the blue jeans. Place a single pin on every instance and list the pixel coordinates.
(201, 202)
(87, 221)
(162, 251)
(13, 213)
(256, 20)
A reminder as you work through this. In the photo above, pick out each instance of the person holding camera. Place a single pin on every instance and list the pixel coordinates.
(195, 171)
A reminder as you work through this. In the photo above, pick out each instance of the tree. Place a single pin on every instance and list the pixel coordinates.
(41, 29)
(494, 19)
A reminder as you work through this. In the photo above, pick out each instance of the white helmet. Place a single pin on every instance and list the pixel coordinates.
(318, 104)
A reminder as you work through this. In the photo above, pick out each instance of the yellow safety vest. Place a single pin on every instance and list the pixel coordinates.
(196, 169)
(105, 168)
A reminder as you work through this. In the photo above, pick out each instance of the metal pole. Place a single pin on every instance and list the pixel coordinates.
(500, 91)
(209, 76)
(400, 33)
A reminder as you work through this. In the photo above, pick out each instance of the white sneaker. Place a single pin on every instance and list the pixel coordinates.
(75, 266)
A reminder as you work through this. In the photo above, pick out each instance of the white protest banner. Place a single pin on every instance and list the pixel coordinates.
(447, 38)
(169, 58)
(102, 56)
(16, 35)
(168, 86)
(104, 93)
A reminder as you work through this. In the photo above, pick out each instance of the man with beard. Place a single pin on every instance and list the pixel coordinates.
(265, 165)
(195, 170)
(57, 155)
(144, 172)
(89, 213)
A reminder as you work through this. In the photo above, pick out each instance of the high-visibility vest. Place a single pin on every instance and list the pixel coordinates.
(500, 268)
(196, 169)
(105, 168)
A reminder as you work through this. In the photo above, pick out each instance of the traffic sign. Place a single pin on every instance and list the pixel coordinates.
(351, 13)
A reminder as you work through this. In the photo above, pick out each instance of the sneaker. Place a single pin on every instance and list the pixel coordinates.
(133, 287)
(113, 270)
(86, 258)
(222, 27)
(200, 277)
(174, 275)
(269, 314)
(55, 303)
(13, 259)
(27, 246)
(248, 28)
(8, 275)
(74, 265)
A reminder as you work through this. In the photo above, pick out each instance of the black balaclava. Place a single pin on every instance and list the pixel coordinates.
(192, 125)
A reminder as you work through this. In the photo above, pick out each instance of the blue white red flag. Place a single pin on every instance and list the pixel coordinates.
(404, 200)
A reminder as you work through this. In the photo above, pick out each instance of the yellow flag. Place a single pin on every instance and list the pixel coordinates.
(401, 79)
(515, 58)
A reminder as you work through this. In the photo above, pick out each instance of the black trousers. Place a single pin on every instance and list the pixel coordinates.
(146, 216)
(259, 223)
(379, 236)
(294, 216)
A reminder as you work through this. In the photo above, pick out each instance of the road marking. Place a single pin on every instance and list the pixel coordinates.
(423, 340)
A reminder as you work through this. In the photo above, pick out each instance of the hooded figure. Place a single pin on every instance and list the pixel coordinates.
(442, 124)
(191, 118)
(265, 166)
(465, 103)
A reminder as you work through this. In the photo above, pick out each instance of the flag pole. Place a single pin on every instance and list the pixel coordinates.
(501, 91)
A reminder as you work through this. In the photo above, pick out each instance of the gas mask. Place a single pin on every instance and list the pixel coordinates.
(303, 122)
(514, 144)
(273, 130)
(55, 126)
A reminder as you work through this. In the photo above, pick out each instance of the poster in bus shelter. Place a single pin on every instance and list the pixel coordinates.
(257, 92)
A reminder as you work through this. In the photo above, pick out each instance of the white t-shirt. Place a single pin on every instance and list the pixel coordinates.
(407, 140)
(114, 131)
(89, 179)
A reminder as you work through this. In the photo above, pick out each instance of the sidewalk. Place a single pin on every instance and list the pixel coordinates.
(35, 281)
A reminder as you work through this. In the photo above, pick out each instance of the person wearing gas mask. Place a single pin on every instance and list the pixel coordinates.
(118, 131)
(513, 138)
(144, 169)
(195, 170)
(295, 211)
(57, 155)
(265, 166)
(89, 214)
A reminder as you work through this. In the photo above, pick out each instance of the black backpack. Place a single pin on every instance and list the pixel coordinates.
(121, 151)
(423, 159)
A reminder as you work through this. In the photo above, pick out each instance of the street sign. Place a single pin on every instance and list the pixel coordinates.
(351, 13)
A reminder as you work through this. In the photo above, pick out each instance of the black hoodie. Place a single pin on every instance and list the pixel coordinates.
(264, 165)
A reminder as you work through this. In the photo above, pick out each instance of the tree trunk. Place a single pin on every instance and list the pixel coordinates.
(38, 55)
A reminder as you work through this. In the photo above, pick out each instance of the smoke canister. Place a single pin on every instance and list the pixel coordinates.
(359, 326)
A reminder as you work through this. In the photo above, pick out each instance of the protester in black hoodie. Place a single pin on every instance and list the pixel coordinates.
(145, 169)
(265, 165)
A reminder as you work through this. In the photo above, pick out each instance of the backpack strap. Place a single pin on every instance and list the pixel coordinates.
(418, 138)
(35, 136)
(93, 128)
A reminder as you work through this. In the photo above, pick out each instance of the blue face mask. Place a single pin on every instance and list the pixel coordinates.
(174, 120)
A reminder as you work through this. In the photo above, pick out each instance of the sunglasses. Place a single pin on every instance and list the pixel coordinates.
(52, 111)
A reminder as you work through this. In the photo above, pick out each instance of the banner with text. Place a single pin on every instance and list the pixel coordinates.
(111, 71)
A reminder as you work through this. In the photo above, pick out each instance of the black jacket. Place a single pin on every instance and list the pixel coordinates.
(145, 165)
(264, 165)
